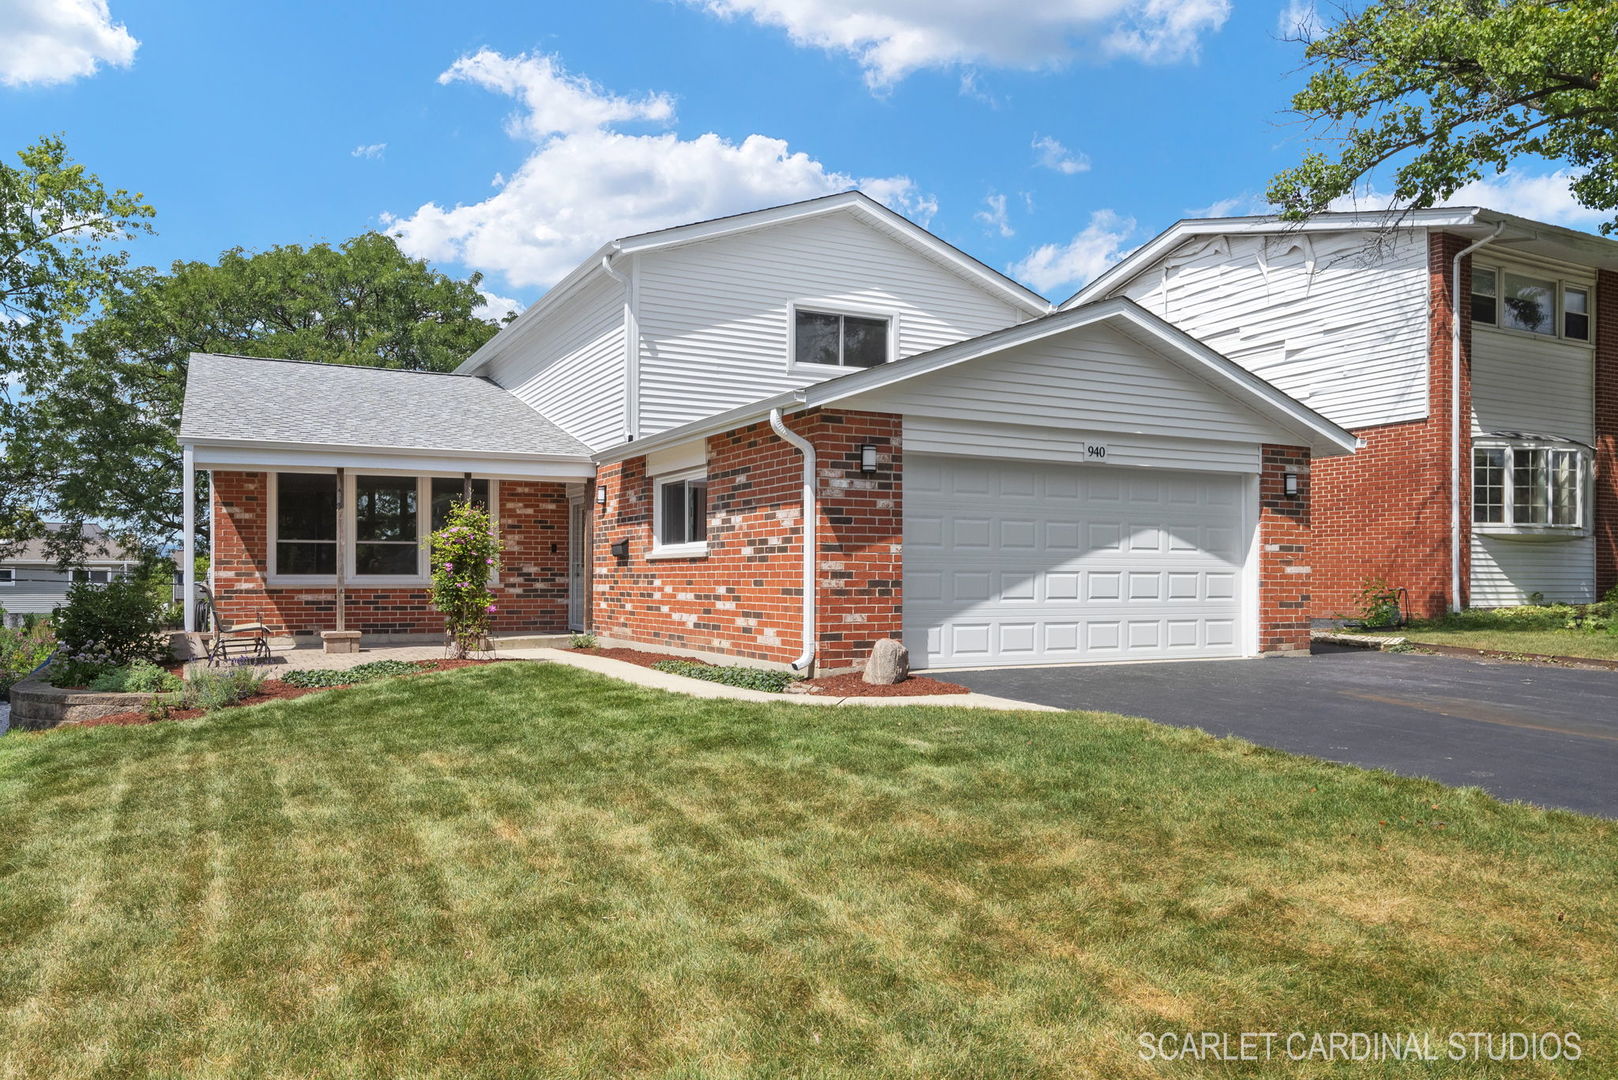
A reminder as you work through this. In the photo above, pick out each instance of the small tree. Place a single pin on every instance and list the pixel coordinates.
(465, 556)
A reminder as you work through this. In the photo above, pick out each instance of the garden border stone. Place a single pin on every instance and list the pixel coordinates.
(37, 705)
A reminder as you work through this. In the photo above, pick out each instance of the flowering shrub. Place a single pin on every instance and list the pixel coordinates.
(465, 555)
(106, 626)
(22, 650)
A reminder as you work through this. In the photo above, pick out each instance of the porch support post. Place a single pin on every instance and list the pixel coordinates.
(342, 548)
(188, 536)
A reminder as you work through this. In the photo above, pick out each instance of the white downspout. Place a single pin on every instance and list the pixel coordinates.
(811, 511)
(631, 342)
(1457, 466)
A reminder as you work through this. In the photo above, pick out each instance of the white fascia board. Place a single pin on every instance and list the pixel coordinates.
(250, 453)
(512, 334)
(858, 202)
(1181, 231)
(1317, 432)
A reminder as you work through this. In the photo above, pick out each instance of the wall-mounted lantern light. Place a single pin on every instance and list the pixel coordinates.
(1290, 485)
(601, 496)
(620, 549)
(868, 458)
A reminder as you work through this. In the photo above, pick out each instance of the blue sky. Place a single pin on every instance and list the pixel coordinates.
(1045, 138)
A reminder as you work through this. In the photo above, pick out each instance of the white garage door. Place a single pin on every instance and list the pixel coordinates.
(1009, 562)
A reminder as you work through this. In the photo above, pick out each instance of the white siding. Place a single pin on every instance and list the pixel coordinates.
(1091, 379)
(714, 322)
(1314, 314)
(570, 364)
(975, 438)
(1536, 385)
(1506, 570)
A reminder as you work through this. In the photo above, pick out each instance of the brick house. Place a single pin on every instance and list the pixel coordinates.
(780, 437)
(1484, 490)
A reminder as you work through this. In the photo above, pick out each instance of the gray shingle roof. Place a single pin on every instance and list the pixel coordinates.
(240, 397)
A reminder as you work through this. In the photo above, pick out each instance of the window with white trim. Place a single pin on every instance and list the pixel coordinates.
(680, 514)
(386, 543)
(386, 519)
(1529, 485)
(834, 339)
(94, 577)
(1530, 303)
(305, 525)
(8, 576)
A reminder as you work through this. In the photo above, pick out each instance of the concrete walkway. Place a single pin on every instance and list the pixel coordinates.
(680, 684)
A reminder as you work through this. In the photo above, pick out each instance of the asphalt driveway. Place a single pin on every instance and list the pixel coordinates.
(1543, 735)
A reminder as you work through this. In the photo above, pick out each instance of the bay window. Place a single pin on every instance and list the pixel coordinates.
(1531, 486)
(386, 519)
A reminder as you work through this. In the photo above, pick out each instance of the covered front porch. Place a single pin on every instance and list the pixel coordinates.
(308, 535)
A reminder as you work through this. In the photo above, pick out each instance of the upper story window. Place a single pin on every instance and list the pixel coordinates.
(1522, 484)
(836, 340)
(1530, 303)
(8, 576)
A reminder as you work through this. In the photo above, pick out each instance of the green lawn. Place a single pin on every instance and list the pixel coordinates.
(526, 870)
(1520, 640)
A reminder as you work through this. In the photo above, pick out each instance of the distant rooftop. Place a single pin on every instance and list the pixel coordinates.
(242, 398)
(99, 548)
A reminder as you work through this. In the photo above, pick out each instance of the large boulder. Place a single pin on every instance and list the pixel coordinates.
(889, 663)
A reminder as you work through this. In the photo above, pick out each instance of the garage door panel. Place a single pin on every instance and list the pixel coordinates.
(1000, 570)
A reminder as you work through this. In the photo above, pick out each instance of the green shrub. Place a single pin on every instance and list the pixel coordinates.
(217, 689)
(582, 641)
(465, 556)
(140, 677)
(360, 673)
(750, 678)
(1379, 604)
(22, 650)
(107, 626)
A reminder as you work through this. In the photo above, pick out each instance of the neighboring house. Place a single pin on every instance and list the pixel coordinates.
(989, 480)
(31, 584)
(1355, 320)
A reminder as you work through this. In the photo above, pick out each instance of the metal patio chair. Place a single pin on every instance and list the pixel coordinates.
(245, 639)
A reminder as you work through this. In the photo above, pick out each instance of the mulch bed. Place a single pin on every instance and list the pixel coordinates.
(853, 684)
(273, 690)
(849, 685)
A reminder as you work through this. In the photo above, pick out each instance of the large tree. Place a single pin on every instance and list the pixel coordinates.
(1433, 94)
(61, 258)
(96, 437)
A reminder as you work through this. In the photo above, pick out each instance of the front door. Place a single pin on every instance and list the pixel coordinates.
(578, 551)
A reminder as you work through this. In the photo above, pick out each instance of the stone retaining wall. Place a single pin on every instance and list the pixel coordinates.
(36, 705)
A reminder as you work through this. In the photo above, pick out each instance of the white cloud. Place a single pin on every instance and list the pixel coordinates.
(892, 38)
(56, 41)
(993, 216)
(371, 150)
(585, 183)
(495, 307)
(1546, 197)
(556, 102)
(1101, 243)
(1243, 205)
(1053, 155)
